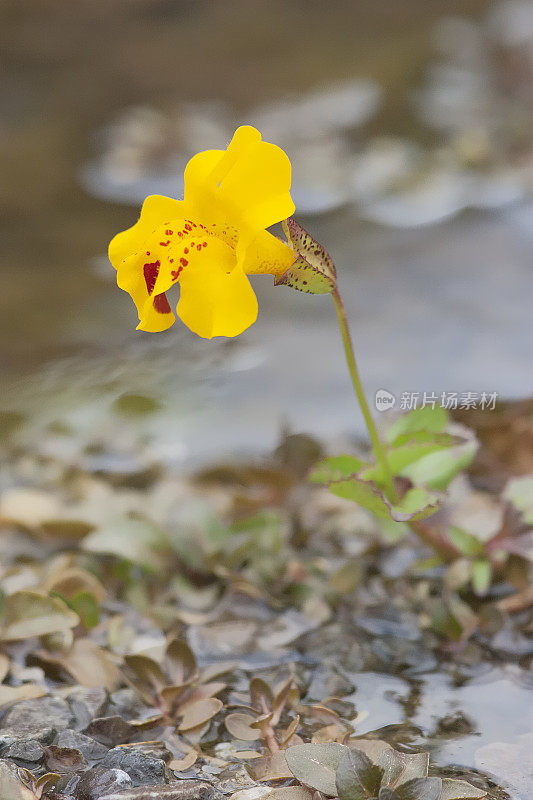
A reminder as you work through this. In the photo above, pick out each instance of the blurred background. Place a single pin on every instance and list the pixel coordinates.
(409, 125)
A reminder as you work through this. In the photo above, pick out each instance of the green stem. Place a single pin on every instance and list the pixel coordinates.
(377, 447)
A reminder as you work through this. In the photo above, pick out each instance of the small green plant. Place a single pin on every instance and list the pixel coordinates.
(372, 770)
(423, 457)
(184, 695)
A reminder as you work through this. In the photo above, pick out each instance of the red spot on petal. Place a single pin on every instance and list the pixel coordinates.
(188, 227)
(171, 260)
(169, 232)
(151, 271)
(147, 252)
(176, 273)
(183, 262)
(180, 233)
(204, 244)
(161, 304)
(198, 246)
(165, 244)
(186, 250)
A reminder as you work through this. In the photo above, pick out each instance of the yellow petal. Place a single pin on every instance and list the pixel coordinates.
(215, 302)
(157, 315)
(247, 186)
(135, 276)
(156, 211)
(267, 254)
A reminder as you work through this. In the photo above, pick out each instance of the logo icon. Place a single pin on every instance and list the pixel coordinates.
(384, 400)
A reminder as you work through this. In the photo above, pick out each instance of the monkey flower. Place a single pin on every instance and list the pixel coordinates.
(210, 241)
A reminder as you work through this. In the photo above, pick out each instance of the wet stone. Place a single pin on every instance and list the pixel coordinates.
(66, 785)
(110, 730)
(86, 704)
(39, 719)
(234, 778)
(99, 781)
(400, 629)
(180, 790)
(327, 682)
(91, 750)
(142, 767)
(28, 751)
(127, 704)
(456, 724)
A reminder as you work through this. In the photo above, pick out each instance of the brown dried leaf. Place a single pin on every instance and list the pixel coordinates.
(240, 726)
(185, 763)
(199, 713)
(145, 675)
(280, 701)
(31, 614)
(9, 695)
(287, 735)
(179, 662)
(64, 759)
(290, 793)
(261, 695)
(70, 582)
(335, 732)
(272, 768)
(91, 665)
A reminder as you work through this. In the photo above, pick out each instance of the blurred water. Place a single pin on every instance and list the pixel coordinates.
(110, 109)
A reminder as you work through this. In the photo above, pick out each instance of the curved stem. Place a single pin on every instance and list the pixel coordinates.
(377, 446)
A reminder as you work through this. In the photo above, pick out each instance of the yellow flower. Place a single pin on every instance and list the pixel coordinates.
(209, 241)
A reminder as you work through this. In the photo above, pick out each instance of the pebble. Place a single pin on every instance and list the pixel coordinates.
(110, 730)
(29, 750)
(99, 781)
(180, 790)
(142, 768)
(39, 719)
(91, 750)
(86, 704)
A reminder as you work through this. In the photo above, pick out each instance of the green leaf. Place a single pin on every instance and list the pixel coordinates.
(409, 448)
(519, 492)
(438, 469)
(86, 607)
(468, 544)
(136, 540)
(417, 503)
(316, 765)
(135, 405)
(421, 419)
(454, 619)
(364, 493)
(460, 790)
(357, 778)
(420, 789)
(397, 767)
(335, 468)
(481, 576)
(304, 277)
